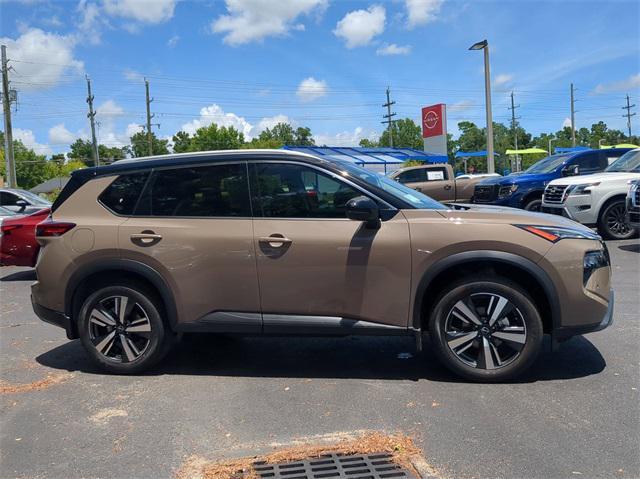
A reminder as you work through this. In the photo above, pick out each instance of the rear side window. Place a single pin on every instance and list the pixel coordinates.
(203, 191)
(122, 194)
(413, 176)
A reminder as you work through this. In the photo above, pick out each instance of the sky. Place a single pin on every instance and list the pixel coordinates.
(324, 64)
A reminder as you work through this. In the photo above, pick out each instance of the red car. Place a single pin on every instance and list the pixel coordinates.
(18, 246)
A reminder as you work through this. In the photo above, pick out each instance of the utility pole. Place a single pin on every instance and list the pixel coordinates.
(8, 132)
(388, 117)
(573, 119)
(514, 127)
(92, 115)
(628, 115)
(149, 116)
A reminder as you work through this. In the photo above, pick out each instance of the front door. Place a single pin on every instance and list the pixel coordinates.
(193, 224)
(314, 264)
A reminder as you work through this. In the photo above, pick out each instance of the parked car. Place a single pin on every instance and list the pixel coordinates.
(6, 213)
(525, 190)
(18, 245)
(22, 201)
(438, 181)
(633, 204)
(265, 242)
(598, 199)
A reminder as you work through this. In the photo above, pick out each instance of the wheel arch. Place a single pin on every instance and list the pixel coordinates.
(521, 270)
(81, 282)
(531, 195)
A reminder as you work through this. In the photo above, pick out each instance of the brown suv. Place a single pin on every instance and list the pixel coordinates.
(283, 243)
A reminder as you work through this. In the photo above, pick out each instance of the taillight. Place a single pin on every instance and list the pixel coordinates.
(49, 228)
(9, 228)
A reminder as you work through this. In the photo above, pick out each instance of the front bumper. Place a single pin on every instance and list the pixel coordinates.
(567, 332)
(577, 208)
(54, 317)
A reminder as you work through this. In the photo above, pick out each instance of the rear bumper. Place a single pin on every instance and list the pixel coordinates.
(567, 332)
(54, 317)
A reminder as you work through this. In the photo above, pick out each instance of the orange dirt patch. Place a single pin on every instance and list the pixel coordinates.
(51, 380)
(400, 446)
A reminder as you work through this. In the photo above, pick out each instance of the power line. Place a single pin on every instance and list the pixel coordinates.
(389, 116)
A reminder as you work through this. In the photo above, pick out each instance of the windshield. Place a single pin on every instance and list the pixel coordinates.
(548, 164)
(417, 199)
(628, 163)
(35, 199)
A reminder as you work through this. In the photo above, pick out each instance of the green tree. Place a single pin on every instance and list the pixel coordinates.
(30, 168)
(213, 137)
(303, 137)
(406, 134)
(82, 150)
(367, 143)
(181, 142)
(140, 145)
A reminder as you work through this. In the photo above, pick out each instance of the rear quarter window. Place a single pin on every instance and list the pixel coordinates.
(121, 196)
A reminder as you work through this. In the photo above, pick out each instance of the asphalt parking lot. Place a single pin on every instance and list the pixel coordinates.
(575, 414)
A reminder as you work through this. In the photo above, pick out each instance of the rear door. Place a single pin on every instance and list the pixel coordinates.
(193, 224)
(315, 265)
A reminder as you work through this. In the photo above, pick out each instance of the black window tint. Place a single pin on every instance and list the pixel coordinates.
(296, 191)
(8, 199)
(217, 190)
(590, 161)
(413, 176)
(122, 194)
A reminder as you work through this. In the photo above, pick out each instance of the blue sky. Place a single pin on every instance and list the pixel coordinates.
(318, 63)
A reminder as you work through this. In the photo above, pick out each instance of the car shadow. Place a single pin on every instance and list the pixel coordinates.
(27, 275)
(633, 248)
(341, 358)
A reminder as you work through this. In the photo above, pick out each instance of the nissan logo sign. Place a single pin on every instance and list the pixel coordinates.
(431, 120)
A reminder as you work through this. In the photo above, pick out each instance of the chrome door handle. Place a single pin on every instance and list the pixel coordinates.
(144, 236)
(275, 241)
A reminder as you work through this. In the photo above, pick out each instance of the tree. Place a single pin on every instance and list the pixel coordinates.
(30, 167)
(140, 145)
(367, 143)
(303, 137)
(82, 150)
(213, 137)
(181, 142)
(406, 134)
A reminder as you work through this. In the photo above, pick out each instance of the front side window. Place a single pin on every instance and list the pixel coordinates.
(588, 162)
(122, 194)
(201, 191)
(8, 199)
(282, 190)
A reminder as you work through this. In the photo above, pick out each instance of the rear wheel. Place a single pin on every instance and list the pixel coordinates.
(612, 223)
(122, 329)
(486, 329)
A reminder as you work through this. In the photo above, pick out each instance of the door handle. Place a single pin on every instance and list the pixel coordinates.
(275, 241)
(418, 188)
(447, 187)
(145, 238)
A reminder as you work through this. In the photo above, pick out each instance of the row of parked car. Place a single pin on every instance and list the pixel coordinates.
(588, 186)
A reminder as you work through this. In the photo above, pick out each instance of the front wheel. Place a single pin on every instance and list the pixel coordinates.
(612, 223)
(534, 205)
(486, 329)
(122, 329)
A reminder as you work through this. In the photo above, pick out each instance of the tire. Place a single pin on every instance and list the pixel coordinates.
(533, 205)
(612, 223)
(493, 349)
(127, 343)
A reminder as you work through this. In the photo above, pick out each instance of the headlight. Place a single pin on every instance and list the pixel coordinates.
(583, 189)
(507, 190)
(594, 260)
(557, 233)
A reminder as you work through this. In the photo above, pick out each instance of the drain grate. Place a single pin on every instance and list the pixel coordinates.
(327, 466)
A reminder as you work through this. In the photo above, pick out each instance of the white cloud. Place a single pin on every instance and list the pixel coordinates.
(215, 114)
(29, 140)
(566, 123)
(173, 41)
(461, 106)
(109, 109)
(345, 138)
(393, 49)
(133, 76)
(146, 11)
(358, 28)
(421, 12)
(502, 79)
(59, 135)
(631, 83)
(48, 57)
(270, 122)
(90, 21)
(255, 20)
(311, 89)
(132, 129)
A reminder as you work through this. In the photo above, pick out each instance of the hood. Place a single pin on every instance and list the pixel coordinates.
(516, 178)
(504, 214)
(596, 177)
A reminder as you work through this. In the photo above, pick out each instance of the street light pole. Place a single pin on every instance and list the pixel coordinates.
(484, 45)
(551, 141)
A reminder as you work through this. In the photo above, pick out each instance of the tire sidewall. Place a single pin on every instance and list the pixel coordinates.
(602, 223)
(512, 293)
(154, 351)
(536, 202)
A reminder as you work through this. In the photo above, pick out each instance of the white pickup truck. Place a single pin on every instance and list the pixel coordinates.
(597, 199)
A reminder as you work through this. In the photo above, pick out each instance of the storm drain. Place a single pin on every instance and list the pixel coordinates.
(369, 466)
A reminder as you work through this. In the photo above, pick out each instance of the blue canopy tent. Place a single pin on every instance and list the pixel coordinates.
(381, 159)
(561, 149)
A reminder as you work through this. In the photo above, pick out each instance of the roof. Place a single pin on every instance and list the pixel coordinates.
(369, 155)
(50, 185)
(471, 154)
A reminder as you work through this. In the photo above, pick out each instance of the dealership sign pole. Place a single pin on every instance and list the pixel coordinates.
(434, 128)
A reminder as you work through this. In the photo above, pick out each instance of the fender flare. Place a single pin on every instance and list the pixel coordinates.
(126, 265)
(489, 256)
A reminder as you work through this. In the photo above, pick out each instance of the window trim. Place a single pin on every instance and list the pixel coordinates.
(335, 176)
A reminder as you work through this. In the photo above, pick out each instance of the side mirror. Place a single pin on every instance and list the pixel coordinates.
(22, 204)
(571, 170)
(362, 208)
